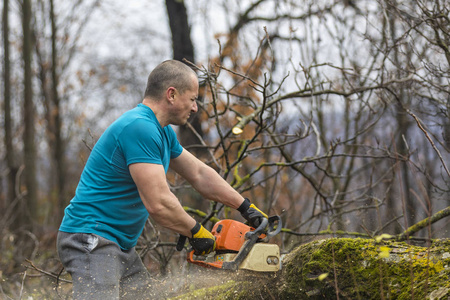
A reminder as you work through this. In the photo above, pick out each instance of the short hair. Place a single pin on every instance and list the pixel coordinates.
(170, 73)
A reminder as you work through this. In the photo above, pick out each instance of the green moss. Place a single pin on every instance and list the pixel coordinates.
(334, 256)
(361, 272)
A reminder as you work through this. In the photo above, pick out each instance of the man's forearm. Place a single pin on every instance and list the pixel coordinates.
(171, 215)
(206, 180)
(213, 187)
(162, 205)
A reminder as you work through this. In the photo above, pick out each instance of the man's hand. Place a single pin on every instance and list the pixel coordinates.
(202, 240)
(251, 213)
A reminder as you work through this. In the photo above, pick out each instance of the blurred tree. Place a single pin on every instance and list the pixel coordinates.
(183, 49)
(54, 53)
(10, 196)
(29, 118)
(59, 150)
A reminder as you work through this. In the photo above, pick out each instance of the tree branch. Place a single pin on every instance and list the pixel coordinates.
(424, 223)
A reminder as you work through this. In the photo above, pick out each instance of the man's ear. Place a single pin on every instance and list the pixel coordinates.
(170, 94)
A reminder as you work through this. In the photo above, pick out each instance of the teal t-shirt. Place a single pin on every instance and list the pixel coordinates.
(107, 201)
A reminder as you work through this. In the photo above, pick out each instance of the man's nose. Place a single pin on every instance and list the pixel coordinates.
(194, 107)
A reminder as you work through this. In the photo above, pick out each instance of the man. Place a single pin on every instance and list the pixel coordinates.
(124, 181)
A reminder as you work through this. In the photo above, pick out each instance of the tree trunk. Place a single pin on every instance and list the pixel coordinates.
(58, 151)
(403, 178)
(10, 194)
(29, 132)
(183, 49)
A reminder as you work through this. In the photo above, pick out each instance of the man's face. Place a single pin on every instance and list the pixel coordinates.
(185, 104)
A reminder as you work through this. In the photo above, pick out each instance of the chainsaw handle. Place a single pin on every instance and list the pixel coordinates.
(272, 231)
(181, 242)
(274, 227)
(260, 229)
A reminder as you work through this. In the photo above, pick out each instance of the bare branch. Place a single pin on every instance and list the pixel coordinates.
(423, 224)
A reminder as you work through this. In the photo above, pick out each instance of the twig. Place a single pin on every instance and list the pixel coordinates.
(189, 125)
(200, 214)
(57, 282)
(21, 287)
(387, 224)
(86, 143)
(429, 139)
(33, 267)
(269, 292)
(240, 75)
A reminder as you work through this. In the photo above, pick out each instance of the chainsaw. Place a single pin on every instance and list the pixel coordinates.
(239, 246)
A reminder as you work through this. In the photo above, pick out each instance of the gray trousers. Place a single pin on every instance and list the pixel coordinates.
(100, 269)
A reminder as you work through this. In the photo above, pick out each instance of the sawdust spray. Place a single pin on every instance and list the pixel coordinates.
(186, 278)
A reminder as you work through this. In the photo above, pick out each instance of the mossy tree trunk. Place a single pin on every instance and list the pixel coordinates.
(347, 268)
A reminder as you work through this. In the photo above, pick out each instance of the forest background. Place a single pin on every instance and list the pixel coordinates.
(332, 114)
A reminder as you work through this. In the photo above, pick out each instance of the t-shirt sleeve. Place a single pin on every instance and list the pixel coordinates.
(141, 142)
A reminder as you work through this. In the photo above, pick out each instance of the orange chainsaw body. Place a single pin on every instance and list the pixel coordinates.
(230, 235)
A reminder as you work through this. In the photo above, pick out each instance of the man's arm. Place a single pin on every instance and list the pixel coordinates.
(161, 203)
(205, 180)
(165, 209)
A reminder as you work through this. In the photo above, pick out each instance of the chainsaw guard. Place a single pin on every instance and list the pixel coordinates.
(262, 258)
